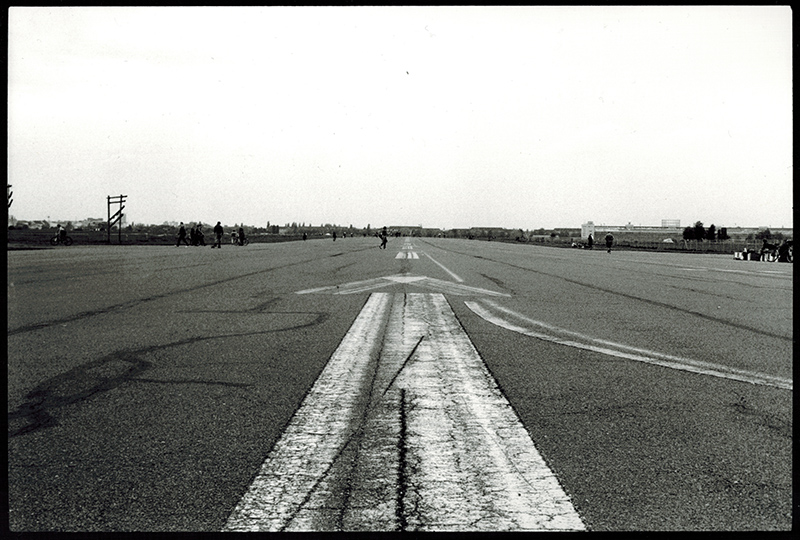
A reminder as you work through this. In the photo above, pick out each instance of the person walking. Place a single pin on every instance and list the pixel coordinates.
(201, 241)
(241, 236)
(609, 241)
(218, 232)
(182, 236)
(590, 241)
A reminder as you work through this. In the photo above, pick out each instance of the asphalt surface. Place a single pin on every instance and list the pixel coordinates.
(147, 385)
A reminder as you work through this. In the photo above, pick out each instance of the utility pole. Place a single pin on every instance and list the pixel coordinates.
(117, 217)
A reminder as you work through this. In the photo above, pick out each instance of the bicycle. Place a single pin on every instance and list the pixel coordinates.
(769, 255)
(775, 252)
(67, 241)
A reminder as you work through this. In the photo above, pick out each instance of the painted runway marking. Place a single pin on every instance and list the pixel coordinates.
(409, 255)
(443, 267)
(405, 433)
(752, 272)
(425, 282)
(617, 349)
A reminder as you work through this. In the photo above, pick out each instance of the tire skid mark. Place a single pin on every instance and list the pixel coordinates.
(139, 301)
(87, 271)
(596, 288)
(109, 372)
(765, 273)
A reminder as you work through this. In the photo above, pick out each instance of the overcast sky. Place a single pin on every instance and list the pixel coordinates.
(518, 117)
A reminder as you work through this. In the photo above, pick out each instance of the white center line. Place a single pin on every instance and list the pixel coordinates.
(418, 438)
(317, 433)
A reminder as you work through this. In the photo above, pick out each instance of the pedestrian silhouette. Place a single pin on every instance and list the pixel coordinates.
(218, 232)
(201, 241)
(182, 236)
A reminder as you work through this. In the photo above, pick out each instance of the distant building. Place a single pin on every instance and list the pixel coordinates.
(670, 228)
(587, 229)
(37, 225)
(92, 224)
(664, 230)
(406, 230)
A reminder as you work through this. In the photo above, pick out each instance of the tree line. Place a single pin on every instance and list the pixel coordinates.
(699, 232)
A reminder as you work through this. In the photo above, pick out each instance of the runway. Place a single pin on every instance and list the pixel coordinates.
(156, 388)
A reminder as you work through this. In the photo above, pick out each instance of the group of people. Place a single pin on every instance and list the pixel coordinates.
(237, 237)
(197, 238)
(781, 252)
(609, 241)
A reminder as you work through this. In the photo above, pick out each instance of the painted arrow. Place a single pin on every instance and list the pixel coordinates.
(436, 285)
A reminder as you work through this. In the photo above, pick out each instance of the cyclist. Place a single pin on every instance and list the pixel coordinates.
(62, 233)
